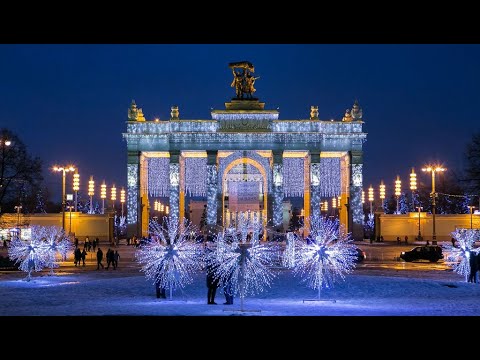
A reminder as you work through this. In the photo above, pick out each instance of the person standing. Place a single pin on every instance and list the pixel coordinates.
(212, 282)
(99, 258)
(472, 276)
(160, 291)
(228, 290)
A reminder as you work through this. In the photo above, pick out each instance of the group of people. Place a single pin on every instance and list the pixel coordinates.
(87, 245)
(112, 259)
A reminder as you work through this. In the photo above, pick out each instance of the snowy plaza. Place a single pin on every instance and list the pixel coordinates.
(370, 290)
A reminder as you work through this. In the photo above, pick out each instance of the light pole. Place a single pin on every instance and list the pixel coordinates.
(113, 192)
(382, 193)
(398, 190)
(370, 198)
(76, 187)
(122, 198)
(433, 169)
(103, 195)
(64, 170)
(471, 215)
(70, 208)
(4, 143)
(419, 208)
(18, 208)
(413, 185)
(91, 192)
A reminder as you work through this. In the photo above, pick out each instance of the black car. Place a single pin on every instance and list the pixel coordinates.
(360, 255)
(432, 253)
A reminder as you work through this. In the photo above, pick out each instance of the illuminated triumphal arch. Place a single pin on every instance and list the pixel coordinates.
(245, 159)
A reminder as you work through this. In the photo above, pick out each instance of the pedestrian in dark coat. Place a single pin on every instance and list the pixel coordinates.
(116, 257)
(160, 291)
(99, 258)
(472, 277)
(228, 290)
(83, 256)
(78, 256)
(212, 282)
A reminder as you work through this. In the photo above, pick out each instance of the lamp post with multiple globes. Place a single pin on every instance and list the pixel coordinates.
(433, 169)
(64, 170)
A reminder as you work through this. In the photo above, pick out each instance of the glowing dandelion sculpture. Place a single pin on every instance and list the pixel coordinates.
(170, 259)
(54, 242)
(29, 253)
(41, 250)
(243, 263)
(459, 255)
(327, 257)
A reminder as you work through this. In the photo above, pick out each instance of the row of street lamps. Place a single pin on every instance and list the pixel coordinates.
(433, 169)
(91, 191)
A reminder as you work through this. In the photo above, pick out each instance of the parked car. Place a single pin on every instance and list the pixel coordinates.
(432, 253)
(360, 255)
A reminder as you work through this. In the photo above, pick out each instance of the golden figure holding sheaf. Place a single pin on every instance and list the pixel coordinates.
(243, 80)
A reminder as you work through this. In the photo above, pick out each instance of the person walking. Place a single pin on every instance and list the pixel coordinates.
(109, 257)
(116, 257)
(99, 258)
(83, 256)
(78, 256)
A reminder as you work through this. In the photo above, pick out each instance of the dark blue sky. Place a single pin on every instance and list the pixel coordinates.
(68, 103)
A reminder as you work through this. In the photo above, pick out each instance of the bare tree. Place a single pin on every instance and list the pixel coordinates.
(20, 173)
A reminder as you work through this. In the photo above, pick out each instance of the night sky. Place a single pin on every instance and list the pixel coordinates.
(68, 103)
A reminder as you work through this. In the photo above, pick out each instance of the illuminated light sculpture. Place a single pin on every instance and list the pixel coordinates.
(243, 263)
(170, 259)
(458, 254)
(326, 256)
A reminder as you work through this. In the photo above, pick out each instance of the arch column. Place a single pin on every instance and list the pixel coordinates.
(134, 209)
(315, 184)
(174, 199)
(212, 189)
(276, 212)
(355, 201)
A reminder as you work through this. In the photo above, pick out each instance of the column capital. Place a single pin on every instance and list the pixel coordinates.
(357, 156)
(314, 156)
(212, 157)
(277, 156)
(174, 156)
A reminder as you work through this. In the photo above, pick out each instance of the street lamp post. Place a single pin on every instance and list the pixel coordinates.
(413, 186)
(398, 191)
(76, 187)
(113, 196)
(370, 198)
(382, 193)
(91, 192)
(64, 170)
(70, 208)
(4, 143)
(103, 195)
(419, 208)
(122, 198)
(433, 169)
(471, 215)
(18, 208)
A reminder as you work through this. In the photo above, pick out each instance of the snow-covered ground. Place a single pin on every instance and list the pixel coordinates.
(366, 292)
